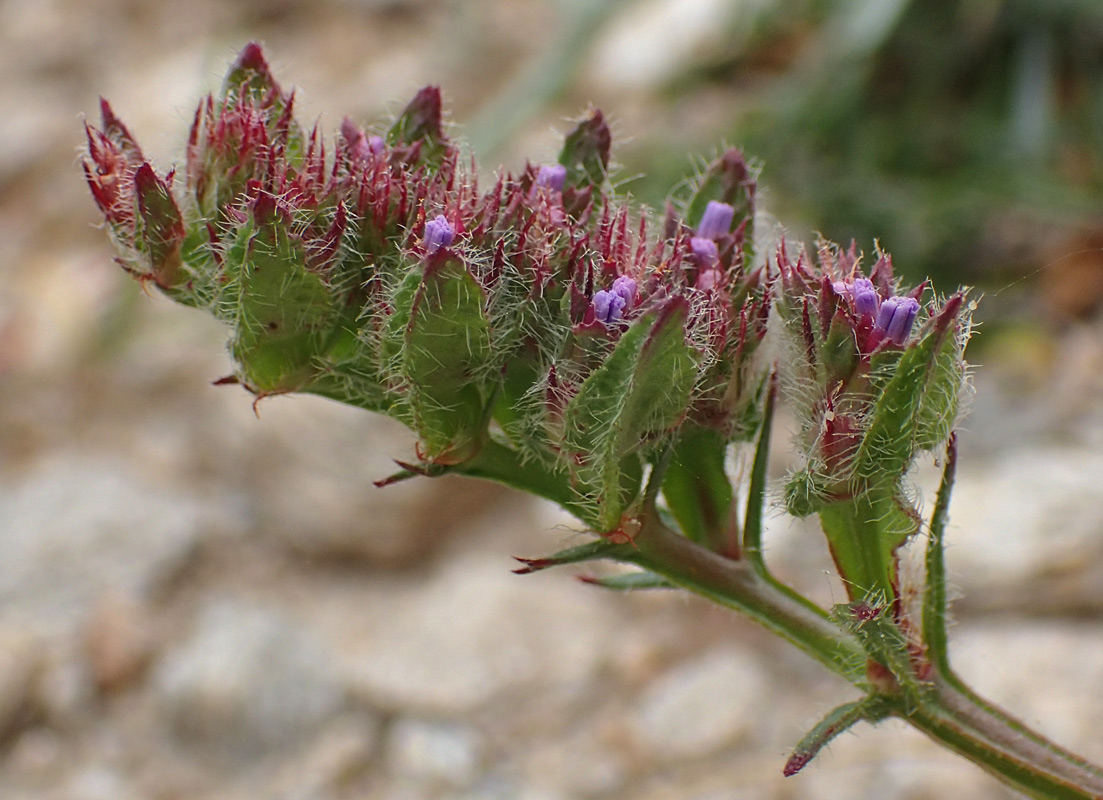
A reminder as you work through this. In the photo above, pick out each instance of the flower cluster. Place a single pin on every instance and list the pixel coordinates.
(875, 374)
(541, 314)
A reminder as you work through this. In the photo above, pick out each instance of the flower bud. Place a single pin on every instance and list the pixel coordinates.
(438, 233)
(873, 389)
(716, 221)
(553, 177)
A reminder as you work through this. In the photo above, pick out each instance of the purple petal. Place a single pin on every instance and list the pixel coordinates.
(716, 221)
(709, 279)
(625, 287)
(608, 306)
(884, 314)
(900, 327)
(704, 251)
(553, 177)
(866, 300)
(438, 233)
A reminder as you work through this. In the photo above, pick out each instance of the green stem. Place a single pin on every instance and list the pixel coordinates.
(948, 712)
(1003, 746)
(737, 585)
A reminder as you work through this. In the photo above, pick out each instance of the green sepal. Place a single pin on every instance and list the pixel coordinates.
(446, 361)
(420, 126)
(696, 485)
(349, 372)
(159, 233)
(915, 406)
(629, 581)
(640, 392)
(251, 77)
(729, 180)
(585, 153)
(839, 351)
(806, 492)
(284, 315)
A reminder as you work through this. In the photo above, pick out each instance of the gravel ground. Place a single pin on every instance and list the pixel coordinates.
(200, 602)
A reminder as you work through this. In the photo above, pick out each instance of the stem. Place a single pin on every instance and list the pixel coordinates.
(737, 585)
(1003, 746)
(948, 712)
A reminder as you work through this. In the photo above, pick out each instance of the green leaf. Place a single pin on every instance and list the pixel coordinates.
(696, 485)
(640, 392)
(597, 550)
(284, 314)
(870, 709)
(916, 406)
(446, 361)
(864, 533)
(630, 581)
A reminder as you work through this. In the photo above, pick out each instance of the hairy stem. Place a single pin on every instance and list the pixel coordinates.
(948, 713)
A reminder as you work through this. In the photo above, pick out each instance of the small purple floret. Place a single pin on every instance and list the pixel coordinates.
(895, 318)
(608, 306)
(553, 177)
(625, 287)
(704, 251)
(716, 221)
(376, 144)
(866, 300)
(438, 233)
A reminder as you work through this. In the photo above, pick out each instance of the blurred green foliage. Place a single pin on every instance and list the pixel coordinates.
(962, 134)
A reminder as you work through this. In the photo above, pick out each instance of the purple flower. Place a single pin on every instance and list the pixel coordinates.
(553, 177)
(866, 299)
(438, 233)
(895, 318)
(376, 144)
(716, 221)
(862, 295)
(705, 252)
(608, 306)
(625, 287)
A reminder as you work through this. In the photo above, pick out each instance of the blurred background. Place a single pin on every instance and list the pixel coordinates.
(197, 601)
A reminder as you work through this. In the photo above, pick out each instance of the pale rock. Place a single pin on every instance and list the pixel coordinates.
(432, 750)
(314, 491)
(584, 762)
(653, 40)
(1013, 517)
(118, 641)
(77, 526)
(472, 631)
(21, 660)
(334, 757)
(1046, 673)
(246, 681)
(700, 705)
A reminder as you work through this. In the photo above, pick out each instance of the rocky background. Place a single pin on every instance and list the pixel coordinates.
(199, 602)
